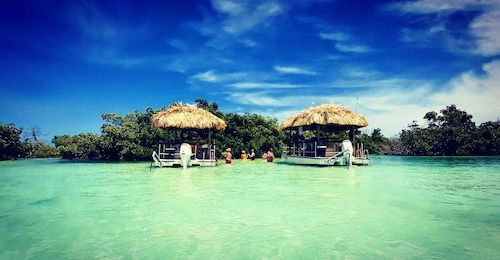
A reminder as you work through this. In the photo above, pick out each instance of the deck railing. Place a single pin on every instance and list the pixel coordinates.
(172, 151)
(313, 149)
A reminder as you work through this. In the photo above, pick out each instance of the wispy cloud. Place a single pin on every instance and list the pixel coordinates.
(207, 76)
(211, 76)
(335, 36)
(263, 85)
(483, 37)
(293, 70)
(294, 102)
(485, 29)
(104, 38)
(261, 99)
(431, 6)
(94, 24)
(351, 48)
(388, 106)
(344, 42)
(228, 7)
(478, 95)
(359, 72)
(244, 16)
(228, 25)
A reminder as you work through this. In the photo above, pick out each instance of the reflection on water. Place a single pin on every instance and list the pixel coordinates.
(400, 207)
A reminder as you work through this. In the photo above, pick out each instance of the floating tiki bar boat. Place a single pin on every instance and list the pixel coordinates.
(324, 149)
(189, 152)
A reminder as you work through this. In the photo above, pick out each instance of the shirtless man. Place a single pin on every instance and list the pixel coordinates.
(270, 155)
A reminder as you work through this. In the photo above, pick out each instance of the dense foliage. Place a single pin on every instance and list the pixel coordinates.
(124, 138)
(245, 132)
(130, 137)
(11, 146)
(10, 141)
(451, 132)
(375, 143)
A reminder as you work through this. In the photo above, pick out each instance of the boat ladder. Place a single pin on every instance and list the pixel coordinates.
(340, 155)
(156, 158)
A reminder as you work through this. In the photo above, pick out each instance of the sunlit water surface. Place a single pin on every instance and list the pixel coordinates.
(400, 207)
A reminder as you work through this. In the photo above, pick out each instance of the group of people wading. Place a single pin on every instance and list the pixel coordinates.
(267, 156)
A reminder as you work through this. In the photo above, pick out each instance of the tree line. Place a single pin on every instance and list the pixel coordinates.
(131, 138)
(451, 132)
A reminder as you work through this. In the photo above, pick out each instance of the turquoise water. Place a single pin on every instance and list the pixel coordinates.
(399, 208)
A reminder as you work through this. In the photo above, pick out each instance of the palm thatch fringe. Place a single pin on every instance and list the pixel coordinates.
(187, 117)
(326, 114)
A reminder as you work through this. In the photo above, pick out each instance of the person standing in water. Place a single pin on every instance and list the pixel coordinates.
(243, 155)
(269, 156)
(228, 155)
(251, 156)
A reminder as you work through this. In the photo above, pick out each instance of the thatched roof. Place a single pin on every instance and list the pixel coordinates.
(326, 114)
(187, 117)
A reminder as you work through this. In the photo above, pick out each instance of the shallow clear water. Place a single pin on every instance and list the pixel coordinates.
(400, 207)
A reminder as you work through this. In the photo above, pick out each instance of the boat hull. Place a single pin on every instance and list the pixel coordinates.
(323, 161)
(178, 163)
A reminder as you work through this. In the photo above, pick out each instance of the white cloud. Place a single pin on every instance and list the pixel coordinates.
(368, 80)
(355, 72)
(263, 85)
(237, 22)
(269, 8)
(228, 7)
(244, 16)
(393, 110)
(211, 76)
(262, 99)
(431, 6)
(351, 48)
(207, 76)
(478, 95)
(344, 42)
(335, 36)
(287, 104)
(390, 104)
(383, 110)
(293, 70)
(484, 28)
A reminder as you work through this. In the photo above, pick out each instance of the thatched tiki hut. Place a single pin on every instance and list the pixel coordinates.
(178, 116)
(328, 118)
(186, 117)
(337, 117)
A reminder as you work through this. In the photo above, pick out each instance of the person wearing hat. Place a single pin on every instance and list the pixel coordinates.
(228, 155)
(243, 155)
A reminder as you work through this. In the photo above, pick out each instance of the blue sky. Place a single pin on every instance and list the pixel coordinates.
(64, 62)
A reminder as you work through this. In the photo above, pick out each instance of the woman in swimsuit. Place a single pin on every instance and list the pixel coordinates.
(227, 154)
